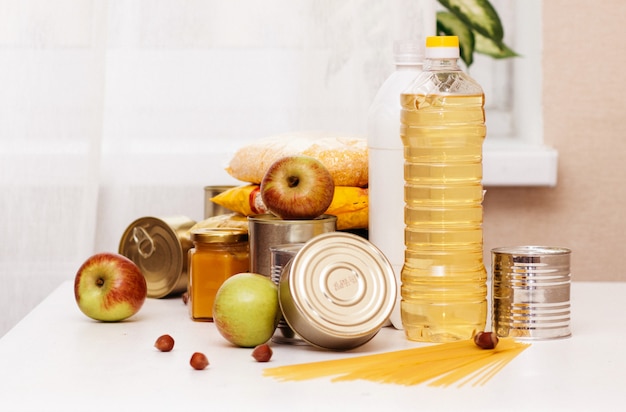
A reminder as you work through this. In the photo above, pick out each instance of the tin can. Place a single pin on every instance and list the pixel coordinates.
(267, 230)
(338, 291)
(159, 246)
(211, 208)
(531, 292)
(280, 256)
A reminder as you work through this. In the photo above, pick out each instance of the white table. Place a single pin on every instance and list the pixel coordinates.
(56, 359)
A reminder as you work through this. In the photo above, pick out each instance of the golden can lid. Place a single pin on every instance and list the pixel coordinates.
(159, 247)
(338, 291)
(219, 235)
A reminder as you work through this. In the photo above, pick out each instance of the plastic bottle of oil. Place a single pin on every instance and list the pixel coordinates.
(386, 160)
(444, 287)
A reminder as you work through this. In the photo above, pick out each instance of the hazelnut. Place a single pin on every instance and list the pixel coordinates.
(199, 361)
(262, 353)
(185, 298)
(486, 340)
(164, 343)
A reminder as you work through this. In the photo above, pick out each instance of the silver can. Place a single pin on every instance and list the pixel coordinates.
(210, 207)
(267, 230)
(531, 292)
(338, 291)
(280, 256)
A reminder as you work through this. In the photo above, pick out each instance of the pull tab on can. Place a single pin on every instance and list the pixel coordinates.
(145, 244)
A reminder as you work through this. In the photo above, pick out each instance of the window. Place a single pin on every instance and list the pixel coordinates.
(514, 153)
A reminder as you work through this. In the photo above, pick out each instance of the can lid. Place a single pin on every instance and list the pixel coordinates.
(156, 249)
(342, 285)
(531, 250)
(273, 220)
(219, 235)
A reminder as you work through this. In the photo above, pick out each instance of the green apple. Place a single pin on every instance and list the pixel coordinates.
(246, 310)
(109, 287)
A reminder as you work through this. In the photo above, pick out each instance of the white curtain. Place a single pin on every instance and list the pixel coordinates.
(115, 110)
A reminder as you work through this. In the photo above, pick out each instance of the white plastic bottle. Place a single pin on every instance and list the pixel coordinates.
(386, 161)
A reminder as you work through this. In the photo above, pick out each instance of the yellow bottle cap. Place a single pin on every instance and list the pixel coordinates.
(442, 41)
(442, 47)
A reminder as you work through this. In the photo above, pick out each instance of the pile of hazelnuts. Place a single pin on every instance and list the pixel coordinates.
(199, 361)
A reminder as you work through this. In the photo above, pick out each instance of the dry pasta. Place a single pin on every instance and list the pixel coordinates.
(444, 364)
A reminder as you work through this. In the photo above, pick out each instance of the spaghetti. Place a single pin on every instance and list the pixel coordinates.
(445, 364)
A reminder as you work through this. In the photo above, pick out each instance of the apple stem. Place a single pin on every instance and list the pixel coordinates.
(99, 282)
(293, 181)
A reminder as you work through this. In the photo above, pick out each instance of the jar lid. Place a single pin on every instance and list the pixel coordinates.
(219, 235)
(338, 291)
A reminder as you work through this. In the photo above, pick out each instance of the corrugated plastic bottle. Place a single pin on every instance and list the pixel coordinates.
(444, 291)
(386, 160)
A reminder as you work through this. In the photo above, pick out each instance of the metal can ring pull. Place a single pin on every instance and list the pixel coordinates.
(145, 244)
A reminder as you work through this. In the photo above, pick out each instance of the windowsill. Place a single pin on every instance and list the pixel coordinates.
(512, 163)
(506, 163)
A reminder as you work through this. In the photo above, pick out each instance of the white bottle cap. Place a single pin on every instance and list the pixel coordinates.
(408, 52)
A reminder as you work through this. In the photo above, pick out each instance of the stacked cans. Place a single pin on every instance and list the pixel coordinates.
(337, 291)
(267, 230)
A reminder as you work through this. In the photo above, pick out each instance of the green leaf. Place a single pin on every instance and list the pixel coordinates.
(479, 15)
(450, 25)
(497, 50)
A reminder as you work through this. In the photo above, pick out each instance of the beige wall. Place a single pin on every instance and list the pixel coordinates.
(584, 92)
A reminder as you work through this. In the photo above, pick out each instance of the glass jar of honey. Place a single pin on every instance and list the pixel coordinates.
(217, 255)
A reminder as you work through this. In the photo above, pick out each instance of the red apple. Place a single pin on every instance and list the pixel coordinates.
(297, 187)
(109, 287)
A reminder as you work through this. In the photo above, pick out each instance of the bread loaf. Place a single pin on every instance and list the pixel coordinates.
(345, 157)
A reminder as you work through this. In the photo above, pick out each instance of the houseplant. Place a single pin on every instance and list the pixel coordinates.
(478, 27)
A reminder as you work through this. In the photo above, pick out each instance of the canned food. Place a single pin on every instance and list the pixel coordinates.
(211, 208)
(267, 230)
(338, 291)
(159, 246)
(531, 292)
(280, 256)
